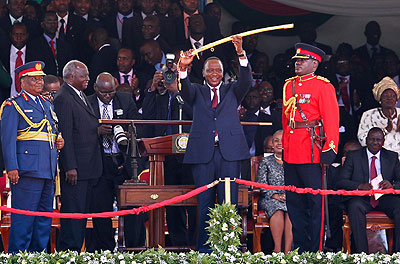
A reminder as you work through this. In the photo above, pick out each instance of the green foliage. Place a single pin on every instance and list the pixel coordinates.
(224, 230)
(224, 240)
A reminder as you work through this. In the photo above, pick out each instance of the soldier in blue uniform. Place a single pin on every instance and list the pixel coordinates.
(30, 143)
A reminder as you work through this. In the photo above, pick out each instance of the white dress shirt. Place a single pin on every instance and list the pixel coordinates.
(110, 111)
(59, 23)
(377, 163)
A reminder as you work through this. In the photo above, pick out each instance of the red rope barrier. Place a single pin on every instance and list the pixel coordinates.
(313, 191)
(139, 210)
(191, 194)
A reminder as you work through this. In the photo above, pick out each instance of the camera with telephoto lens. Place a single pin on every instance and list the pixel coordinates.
(120, 136)
(168, 72)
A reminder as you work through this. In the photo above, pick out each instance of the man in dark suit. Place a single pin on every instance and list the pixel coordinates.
(371, 167)
(372, 48)
(308, 34)
(334, 243)
(128, 74)
(198, 38)
(161, 105)
(80, 159)
(153, 57)
(217, 142)
(133, 28)
(190, 8)
(104, 59)
(16, 15)
(352, 93)
(54, 52)
(109, 104)
(114, 23)
(16, 54)
(255, 135)
(71, 27)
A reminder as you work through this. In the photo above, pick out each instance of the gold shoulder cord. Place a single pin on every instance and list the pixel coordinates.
(24, 133)
(289, 104)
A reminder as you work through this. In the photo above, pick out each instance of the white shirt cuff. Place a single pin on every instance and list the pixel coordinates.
(183, 74)
(243, 62)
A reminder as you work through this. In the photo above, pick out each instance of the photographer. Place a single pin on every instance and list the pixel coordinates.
(162, 103)
(107, 103)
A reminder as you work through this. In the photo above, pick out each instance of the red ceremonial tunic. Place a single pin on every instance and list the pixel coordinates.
(317, 98)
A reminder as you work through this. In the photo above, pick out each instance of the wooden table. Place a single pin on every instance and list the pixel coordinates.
(129, 196)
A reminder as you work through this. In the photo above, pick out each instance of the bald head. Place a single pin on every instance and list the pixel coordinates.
(105, 87)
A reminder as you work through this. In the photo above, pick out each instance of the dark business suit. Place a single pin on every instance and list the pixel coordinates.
(105, 191)
(355, 172)
(211, 162)
(5, 56)
(74, 34)
(32, 27)
(364, 92)
(197, 64)
(212, 32)
(104, 60)
(78, 124)
(257, 135)
(43, 52)
(363, 54)
(5, 59)
(156, 107)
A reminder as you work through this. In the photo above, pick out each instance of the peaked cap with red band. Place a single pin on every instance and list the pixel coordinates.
(32, 68)
(307, 51)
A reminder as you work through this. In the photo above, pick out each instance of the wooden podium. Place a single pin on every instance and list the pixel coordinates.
(142, 195)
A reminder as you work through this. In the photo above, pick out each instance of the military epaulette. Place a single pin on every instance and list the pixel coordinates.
(25, 96)
(290, 79)
(323, 79)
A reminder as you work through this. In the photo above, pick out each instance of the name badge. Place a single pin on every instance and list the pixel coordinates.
(28, 110)
(119, 112)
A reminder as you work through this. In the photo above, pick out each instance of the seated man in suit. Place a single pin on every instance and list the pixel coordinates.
(359, 171)
(334, 243)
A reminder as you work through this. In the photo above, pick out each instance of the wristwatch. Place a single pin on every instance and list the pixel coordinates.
(243, 54)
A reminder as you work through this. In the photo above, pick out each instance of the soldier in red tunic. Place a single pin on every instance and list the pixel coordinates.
(310, 140)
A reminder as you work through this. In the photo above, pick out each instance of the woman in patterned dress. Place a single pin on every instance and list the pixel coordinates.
(270, 171)
(386, 116)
